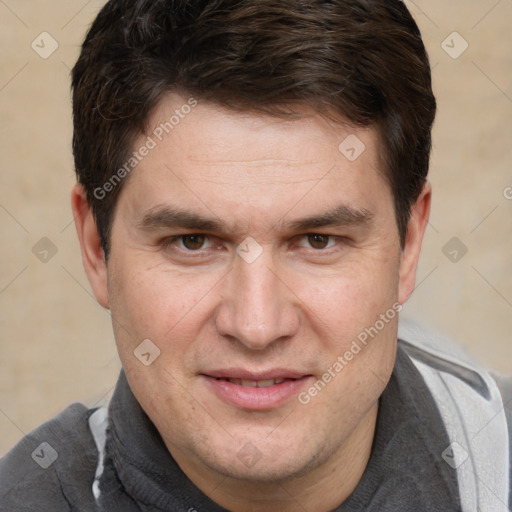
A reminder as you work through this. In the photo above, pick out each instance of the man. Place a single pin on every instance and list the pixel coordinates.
(250, 205)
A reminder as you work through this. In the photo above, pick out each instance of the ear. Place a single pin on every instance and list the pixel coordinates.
(418, 221)
(93, 256)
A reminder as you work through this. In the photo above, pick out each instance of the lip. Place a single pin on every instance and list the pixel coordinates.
(240, 373)
(254, 398)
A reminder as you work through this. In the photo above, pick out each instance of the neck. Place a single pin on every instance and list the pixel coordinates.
(321, 489)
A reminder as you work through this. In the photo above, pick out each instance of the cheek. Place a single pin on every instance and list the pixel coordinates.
(168, 308)
(346, 303)
(357, 345)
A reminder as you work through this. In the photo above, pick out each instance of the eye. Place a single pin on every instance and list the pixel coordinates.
(319, 242)
(194, 242)
(191, 248)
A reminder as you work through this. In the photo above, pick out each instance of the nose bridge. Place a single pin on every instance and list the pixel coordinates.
(257, 310)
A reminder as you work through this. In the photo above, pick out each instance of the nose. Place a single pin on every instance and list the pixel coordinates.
(257, 307)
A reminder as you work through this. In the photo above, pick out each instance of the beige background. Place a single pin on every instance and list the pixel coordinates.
(56, 342)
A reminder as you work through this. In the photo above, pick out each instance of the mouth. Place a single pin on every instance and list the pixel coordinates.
(264, 383)
(252, 391)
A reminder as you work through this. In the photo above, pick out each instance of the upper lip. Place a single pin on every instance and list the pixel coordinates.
(240, 373)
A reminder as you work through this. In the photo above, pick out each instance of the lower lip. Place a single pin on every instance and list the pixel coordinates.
(256, 399)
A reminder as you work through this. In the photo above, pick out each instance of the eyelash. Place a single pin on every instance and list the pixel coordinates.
(168, 242)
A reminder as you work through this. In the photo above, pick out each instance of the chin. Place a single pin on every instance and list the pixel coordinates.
(275, 463)
(263, 472)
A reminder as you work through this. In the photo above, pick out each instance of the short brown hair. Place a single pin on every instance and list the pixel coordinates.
(361, 60)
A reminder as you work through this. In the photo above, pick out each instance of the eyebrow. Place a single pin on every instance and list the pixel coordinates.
(167, 217)
(337, 217)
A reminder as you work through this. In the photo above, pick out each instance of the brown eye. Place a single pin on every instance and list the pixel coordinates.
(318, 241)
(193, 242)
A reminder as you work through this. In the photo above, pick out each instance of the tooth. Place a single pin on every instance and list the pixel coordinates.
(255, 383)
(266, 383)
(249, 383)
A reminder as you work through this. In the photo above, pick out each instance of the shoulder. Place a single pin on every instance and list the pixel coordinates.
(436, 355)
(51, 468)
(475, 406)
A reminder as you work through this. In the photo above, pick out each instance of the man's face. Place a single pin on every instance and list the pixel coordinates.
(253, 253)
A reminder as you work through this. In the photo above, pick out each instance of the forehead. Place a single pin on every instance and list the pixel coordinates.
(313, 136)
(231, 163)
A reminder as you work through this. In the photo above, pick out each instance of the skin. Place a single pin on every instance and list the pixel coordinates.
(298, 306)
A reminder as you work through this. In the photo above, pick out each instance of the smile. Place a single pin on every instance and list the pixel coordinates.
(256, 383)
(256, 392)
